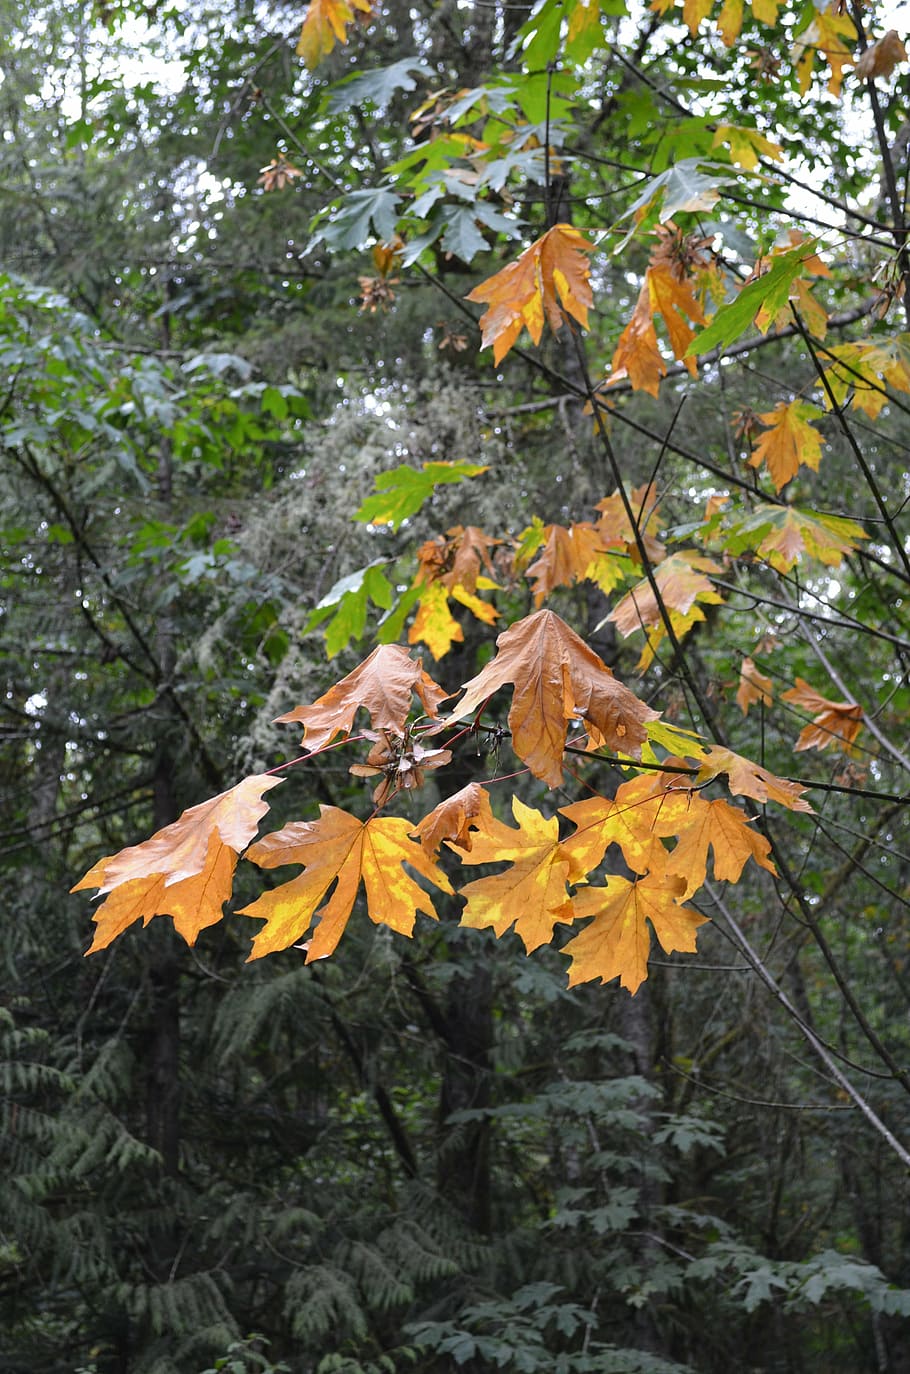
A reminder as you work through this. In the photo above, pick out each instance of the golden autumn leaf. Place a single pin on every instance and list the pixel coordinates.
(326, 22)
(615, 526)
(746, 145)
(557, 679)
(382, 685)
(338, 848)
(881, 58)
(531, 894)
(617, 942)
(454, 819)
(789, 441)
(836, 723)
(866, 367)
(783, 535)
(548, 281)
(748, 779)
(434, 624)
(824, 38)
(185, 870)
(629, 820)
(753, 686)
(724, 829)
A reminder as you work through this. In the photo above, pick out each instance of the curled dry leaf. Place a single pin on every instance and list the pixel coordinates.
(748, 779)
(454, 820)
(882, 57)
(836, 723)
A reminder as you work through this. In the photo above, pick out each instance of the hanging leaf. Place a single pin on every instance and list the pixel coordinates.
(185, 870)
(549, 281)
(617, 942)
(753, 686)
(836, 723)
(881, 58)
(326, 22)
(791, 440)
(531, 894)
(748, 779)
(784, 535)
(340, 849)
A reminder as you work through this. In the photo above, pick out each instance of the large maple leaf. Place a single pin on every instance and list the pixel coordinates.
(338, 848)
(637, 355)
(382, 684)
(548, 281)
(326, 22)
(835, 722)
(571, 554)
(531, 894)
(617, 942)
(185, 870)
(557, 679)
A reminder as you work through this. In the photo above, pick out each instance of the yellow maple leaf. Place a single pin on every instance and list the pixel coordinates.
(184, 871)
(790, 440)
(557, 679)
(617, 942)
(694, 11)
(549, 281)
(326, 22)
(753, 686)
(746, 145)
(338, 848)
(730, 21)
(531, 894)
(824, 37)
(836, 723)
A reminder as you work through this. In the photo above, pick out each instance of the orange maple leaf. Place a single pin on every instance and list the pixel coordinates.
(327, 21)
(617, 942)
(531, 894)
(185, 870)
(753, 686)
(837, 723)
(789, 441)
(557, 680)
(629, 820)
(571, 554)
(721, 827)
(340, 847)
(382, 684)
(615, 526)
(454, 819)
(548, 281)
(637, 355)
(748, 779)
(458, 558)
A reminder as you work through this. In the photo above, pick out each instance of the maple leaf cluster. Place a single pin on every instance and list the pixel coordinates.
(560, 688)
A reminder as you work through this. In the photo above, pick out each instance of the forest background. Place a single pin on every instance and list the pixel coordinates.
(233, 298)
